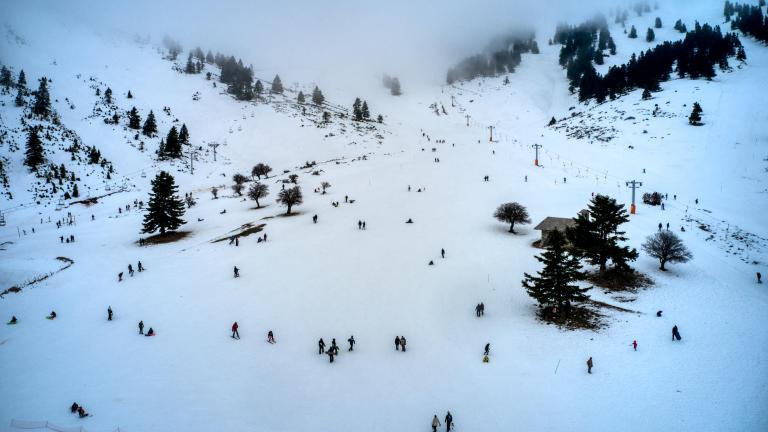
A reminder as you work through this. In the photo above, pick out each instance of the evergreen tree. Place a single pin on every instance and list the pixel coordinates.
(34, 156)
(599, 57)
(555, 283)
(134, 120)
(108, 95)
(165, 208)
(6, 79)
(150, 125)
(611, 46)
(300, 98)
(657, 23)
(172, 147)
(741, 55)
(22, 81)
(395, 88)
(258, 88)
(357, 109)
(183, 134)
(633, 33)
(317, 96)
(42, 104)
(190, 68)
(646, 94)
(650, 36)
(695, 117)
(277, 85)
(19, 101)
(209, 57)
(75, 191)
(364, 111)
(596, 235)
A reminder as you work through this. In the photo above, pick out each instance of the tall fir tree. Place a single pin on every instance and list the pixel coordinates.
(317, 96)
(633, 33)
(150, 125)
(6, 78)
(300, 98)
(258, 88)
(395, 89)
(172, 147)
(19, 101)
(33, 156)
(596, 234)
(277, 85)
(650, 36)
(108, 95)
(183, 134)
(357, 109)
(134, 120)
(695, 117)
(190, 67)
(165, 208)
(555, 284)
(364, 111)
(42, 105)
(657, 23)
(22, 81)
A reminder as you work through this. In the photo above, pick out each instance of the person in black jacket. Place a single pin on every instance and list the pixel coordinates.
(320, 346)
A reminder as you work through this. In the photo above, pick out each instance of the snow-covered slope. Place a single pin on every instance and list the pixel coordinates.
(332, 280)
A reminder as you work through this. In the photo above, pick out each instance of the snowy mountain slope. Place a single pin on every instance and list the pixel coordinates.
(332, 280)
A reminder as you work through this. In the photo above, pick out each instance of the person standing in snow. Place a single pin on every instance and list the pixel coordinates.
(74, 407)
(141, 267)
(589, 365)
(237, 272)
(634, 344)
(448, 421)
(759, 278)
(81, 412)
(477, 310)
(363, 225)
(402, 342)
(397, 343)
(331, 353)
(675, 333)
(359, 224)
(487, 348)
(442, 252)
(435, 423)
(334, 347)
(482, 309)
(320, 346)
(314, 219)
(130, 270)
(270, 337)
(120, 277)
(351, 341)
(235, 334)
(109, 313)
(141, 327)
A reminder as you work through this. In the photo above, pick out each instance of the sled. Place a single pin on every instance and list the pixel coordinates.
(11, 323)
(50, 318)
(272, 342)
(678, 337)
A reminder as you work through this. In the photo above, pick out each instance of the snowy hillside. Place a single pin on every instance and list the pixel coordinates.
(331, 279)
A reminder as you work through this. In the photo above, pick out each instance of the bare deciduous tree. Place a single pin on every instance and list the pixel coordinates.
(325, 185)
(261, 169)
(512, 213)
(239, 179)
(258, 191)
(290, 197)
(666, 247)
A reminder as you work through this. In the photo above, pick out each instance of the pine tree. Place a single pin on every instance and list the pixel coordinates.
(134, 120)
(317, 96)
(596, 234)
(633, 33)
(554, 285)
(183, 134)
(395, 87)
(22, 81)
(300, 98)
(356, 109)
(165, 208)
(19, 101)
(75, 191)
(190, 67)
(258, 88)
(172, 147)
(599, 57)
(277, 85)
(364, 111)
(650, 36)
(6, 79)
(611, 46)
(42, 104)
(657, 23)
(108, 95)
(150, 125)
(646, 94)
(209, 57)
(34, 156)
(741, 55)
(695, 117)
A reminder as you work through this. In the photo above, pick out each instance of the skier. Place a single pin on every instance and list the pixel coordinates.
(435, 423)
(235, 333)
(270, 337)
(759, 278)
(13, 320)
(402, 342)
(74, 407)
(487, 349)
(442, 252)
(52, 316)
(81, 412)
(314, 219)
(634, 344)
(589, 365)
(237, 272)
(675, 333)
(141, 327)
(448, 421)
(351, 341)
(151, 332)
(109, 313)
(397, 343)
(130, 270)
(320, 346)
(120, 277)
(141, 267)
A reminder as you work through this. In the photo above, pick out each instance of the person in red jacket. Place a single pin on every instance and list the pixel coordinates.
(235, 334)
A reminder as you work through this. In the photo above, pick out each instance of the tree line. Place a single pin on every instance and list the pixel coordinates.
(501, 56)
(749, 19)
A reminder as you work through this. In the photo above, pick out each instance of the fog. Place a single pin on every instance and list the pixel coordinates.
(336, 41)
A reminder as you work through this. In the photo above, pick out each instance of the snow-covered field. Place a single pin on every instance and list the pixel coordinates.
(332, 280)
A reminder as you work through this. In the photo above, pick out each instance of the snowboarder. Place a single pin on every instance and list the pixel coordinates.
(351, 341)
(435, 423)
(74, 407)
(52, 316)
(151, 332)
(675, 333)
(120, 277)
(314, 219)
(235, 333)
(442, 252)
(487, 349)
(759, 278)
(634, 344)
(320, 346)
(448, 421)
(81, 412)
(109, 313)
(130, 270)
(270, 337)
(13, 320)
(397, 343)
(402, 342)
(589, 365)
(141, 267)
(237, 272)
(141, 327)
